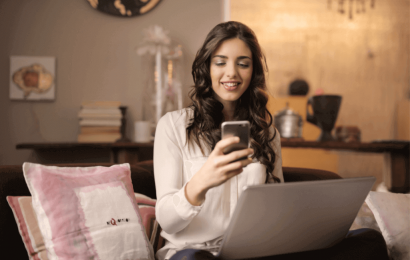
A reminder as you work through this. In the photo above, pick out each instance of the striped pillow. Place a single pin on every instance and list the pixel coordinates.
(28, 226)
(33, 240)
(147, 210)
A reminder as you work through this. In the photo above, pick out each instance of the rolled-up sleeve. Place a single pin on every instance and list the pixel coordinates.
(173, 211)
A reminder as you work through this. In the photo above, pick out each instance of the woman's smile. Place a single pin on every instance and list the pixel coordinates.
(231, 85)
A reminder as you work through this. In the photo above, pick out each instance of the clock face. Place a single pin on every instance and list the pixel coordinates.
(124, 8)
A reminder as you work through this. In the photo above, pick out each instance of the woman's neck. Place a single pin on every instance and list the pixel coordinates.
(228, 111)
(229, 108)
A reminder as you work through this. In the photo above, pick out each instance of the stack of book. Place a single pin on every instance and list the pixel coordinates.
(100, 122)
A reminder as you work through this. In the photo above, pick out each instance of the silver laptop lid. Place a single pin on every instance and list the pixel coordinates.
(273, 219)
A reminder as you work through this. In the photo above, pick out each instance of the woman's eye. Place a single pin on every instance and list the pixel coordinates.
(220, 63)
(243, 65)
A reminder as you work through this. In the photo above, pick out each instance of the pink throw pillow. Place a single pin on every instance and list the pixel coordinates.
(88, 212)
(33, 239)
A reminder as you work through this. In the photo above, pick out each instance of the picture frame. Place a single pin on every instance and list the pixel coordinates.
(32, 78)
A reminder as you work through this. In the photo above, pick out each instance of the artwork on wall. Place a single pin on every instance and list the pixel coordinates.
(32, 78)
(124, 8)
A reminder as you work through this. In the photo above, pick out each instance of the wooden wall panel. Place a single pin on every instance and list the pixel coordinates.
(364, 59)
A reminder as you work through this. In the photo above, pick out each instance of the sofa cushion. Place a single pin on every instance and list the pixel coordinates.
(28, 226)
(12, 183)
(87, 212)
(392, 213)
(33, 239)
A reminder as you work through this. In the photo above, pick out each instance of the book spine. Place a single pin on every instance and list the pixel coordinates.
(114, 111)
(101, 104)
(98, 116)
(99, 129)
(99, 122)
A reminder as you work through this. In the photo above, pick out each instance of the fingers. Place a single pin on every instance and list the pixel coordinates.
(235, 166)
(226, 166)
(221, 145)
(238, 155)
(233, 173)
(246, 161)
(226, 159)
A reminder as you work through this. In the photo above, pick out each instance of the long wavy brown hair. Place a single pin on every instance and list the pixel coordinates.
(251, 106)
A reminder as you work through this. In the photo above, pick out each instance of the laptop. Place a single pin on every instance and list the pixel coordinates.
(274, 219)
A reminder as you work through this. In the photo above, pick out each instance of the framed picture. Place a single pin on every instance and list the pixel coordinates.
(32, 78)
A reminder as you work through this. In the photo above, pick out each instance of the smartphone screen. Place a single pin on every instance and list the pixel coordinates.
(236, 128)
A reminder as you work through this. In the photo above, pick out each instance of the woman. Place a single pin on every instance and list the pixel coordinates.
(197, 185)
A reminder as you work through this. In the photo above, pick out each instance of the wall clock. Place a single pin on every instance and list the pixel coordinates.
(124, 8)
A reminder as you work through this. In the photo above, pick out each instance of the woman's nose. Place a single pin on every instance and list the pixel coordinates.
(231, 70)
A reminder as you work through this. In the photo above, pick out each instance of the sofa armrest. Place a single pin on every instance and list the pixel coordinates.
(293, 174)
(290, 174)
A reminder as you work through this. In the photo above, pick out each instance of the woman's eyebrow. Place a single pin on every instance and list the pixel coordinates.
(220, 56)
(225, 57)
(243, 57)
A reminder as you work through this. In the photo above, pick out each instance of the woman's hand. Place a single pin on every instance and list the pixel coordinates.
(217, 169)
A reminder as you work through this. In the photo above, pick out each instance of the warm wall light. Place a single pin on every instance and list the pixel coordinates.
(358, 6)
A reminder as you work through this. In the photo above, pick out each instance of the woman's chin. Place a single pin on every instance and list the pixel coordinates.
(230, 98)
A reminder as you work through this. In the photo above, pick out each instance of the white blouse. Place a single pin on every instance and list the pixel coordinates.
(184, 225)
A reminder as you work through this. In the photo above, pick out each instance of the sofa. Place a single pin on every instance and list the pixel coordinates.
(12, 183)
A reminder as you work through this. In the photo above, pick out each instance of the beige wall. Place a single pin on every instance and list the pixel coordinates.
(364, 59)
(95, 60)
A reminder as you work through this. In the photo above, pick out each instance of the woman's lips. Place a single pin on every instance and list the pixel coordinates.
(231, 86)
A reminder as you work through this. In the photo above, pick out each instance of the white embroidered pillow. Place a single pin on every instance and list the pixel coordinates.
(392, 213)
(87, 213)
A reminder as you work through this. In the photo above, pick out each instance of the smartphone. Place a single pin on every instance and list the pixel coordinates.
(236, 128)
